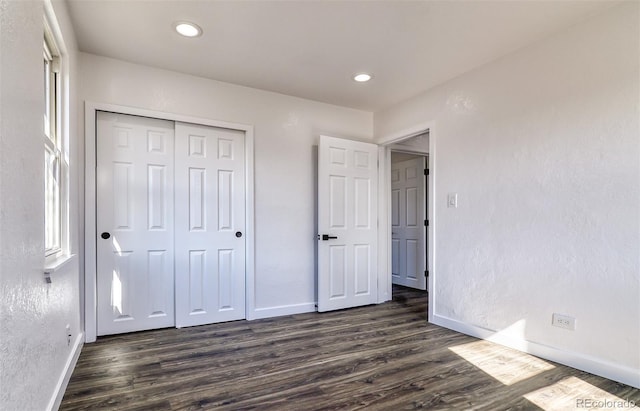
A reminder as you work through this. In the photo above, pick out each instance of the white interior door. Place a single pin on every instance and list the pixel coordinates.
(134, 223)
(408, 214)
(210, 225)
(347, 223)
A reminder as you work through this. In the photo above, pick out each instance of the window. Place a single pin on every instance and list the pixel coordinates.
(53, 153)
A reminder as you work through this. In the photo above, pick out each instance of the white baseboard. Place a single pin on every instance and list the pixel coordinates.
(281, 310)
(61, 386)
(593, 365)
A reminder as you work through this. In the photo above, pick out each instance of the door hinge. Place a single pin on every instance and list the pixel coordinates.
(426, 273)
(426, 171)
(426, 223)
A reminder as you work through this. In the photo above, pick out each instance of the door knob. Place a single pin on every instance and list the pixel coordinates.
(105, 235)
(326, 237)
(238, 234)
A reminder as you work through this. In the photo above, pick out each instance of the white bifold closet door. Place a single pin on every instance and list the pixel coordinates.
(170, 224)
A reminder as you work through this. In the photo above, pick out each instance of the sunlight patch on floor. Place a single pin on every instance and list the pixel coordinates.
(574, 394)
(505, 365)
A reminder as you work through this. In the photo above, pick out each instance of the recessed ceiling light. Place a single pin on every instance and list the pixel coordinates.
(188, 29)
(362, 77)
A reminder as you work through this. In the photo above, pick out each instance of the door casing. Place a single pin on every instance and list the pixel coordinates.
(384, 231)
(89, 283)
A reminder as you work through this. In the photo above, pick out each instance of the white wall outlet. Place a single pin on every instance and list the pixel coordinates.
(563, 321)
(452, 200)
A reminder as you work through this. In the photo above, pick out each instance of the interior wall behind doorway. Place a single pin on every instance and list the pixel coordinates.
(397, 157)
(418, 144)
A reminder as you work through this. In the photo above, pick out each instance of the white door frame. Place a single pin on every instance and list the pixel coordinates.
(384, 232)
(90, 110)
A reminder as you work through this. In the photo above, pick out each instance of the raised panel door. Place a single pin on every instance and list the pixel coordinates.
(408, 233)
(209, 225)
(348, 219)
(134, 223)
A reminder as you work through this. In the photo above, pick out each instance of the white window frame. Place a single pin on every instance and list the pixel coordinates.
(56, 164)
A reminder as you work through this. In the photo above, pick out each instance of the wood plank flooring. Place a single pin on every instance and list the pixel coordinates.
(383, 357)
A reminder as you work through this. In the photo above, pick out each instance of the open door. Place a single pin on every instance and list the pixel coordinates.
(347, 223)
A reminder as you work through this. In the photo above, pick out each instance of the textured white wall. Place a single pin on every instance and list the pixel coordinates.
(33, 315)
(542, 147)
(285, 131)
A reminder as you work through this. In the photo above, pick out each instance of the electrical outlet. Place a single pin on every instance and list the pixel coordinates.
(563, 321)
(68, 328)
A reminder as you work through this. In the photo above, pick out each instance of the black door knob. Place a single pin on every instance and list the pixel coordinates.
(238, 234)
(105, 235)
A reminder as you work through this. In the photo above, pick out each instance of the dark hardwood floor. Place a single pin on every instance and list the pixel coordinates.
(383, 357)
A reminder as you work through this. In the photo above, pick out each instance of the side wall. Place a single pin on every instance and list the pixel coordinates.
(543, 149)
(286, 131)
(35, 356)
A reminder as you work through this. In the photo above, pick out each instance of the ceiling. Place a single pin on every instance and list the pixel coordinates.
(312, 48)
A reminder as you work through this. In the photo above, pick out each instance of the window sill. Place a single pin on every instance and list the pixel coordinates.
(57, 264)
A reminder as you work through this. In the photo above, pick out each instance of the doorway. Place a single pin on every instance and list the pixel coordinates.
(418, 143)
(409, 220)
